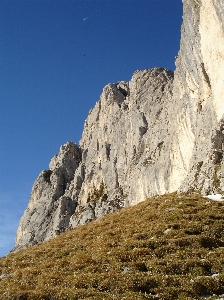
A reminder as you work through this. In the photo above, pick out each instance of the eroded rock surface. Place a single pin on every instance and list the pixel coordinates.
(157, 133)
(49, 210)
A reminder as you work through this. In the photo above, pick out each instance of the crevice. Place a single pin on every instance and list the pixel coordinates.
(205, 75)
(107, 146)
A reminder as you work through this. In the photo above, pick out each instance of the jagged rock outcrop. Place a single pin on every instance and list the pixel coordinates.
(118, 132)
(157, 133)
(49, 210)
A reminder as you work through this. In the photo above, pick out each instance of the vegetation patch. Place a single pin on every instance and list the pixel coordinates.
(96, 194)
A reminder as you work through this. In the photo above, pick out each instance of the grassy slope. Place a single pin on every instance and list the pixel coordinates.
(167, 247)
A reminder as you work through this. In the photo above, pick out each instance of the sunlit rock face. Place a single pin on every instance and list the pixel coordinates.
(198, 97)
(124, 136)
(155, 134)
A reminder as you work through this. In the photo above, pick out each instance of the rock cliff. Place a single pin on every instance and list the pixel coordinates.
(160, 132)
(198, 95)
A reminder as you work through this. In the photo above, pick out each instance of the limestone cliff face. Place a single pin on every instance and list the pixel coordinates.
(125, 134)
(157, 133)
(198, 96)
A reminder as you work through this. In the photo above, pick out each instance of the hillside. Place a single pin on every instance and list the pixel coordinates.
(167, 247)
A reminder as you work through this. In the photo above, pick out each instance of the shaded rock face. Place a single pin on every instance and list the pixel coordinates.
(157, 133)
(49, 210)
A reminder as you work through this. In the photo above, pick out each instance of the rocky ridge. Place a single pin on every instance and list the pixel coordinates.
(160, 132)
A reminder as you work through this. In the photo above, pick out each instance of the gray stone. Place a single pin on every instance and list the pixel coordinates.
(6, 276)
(49, 209)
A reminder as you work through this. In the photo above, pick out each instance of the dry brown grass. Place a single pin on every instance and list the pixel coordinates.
(167, 247)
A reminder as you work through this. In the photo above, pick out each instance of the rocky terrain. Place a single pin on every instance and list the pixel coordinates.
(159, 133)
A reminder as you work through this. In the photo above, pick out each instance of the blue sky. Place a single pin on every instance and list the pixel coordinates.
(55, 58)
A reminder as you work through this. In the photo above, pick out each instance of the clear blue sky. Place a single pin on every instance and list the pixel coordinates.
(55, 58)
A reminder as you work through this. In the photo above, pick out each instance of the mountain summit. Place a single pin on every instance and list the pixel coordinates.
(159, 133)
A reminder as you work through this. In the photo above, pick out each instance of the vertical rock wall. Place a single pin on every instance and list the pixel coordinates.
(198, 99)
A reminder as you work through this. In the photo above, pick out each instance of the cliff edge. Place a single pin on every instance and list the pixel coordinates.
(159, 133)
